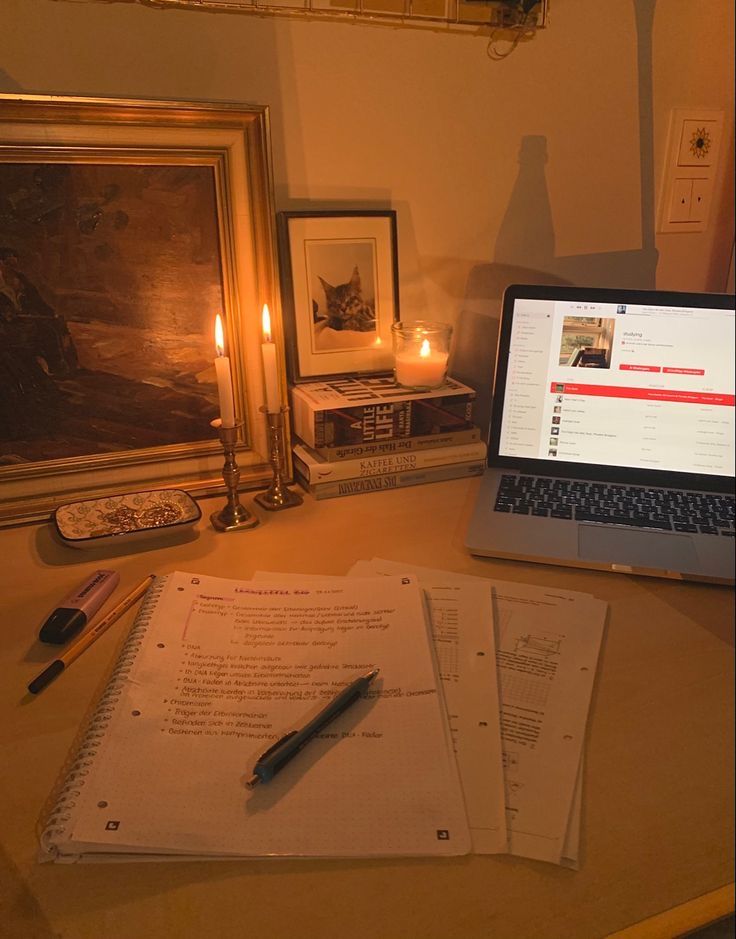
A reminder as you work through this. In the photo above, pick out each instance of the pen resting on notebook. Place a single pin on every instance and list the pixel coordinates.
(276, 757)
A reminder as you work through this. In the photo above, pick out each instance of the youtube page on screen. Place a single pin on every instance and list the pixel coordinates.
(628, 385)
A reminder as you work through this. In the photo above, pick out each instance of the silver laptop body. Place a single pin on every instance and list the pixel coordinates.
(611, 441)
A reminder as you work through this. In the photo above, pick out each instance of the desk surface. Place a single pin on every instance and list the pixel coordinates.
(658, 790)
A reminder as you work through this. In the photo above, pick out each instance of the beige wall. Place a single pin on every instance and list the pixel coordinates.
(427, 123)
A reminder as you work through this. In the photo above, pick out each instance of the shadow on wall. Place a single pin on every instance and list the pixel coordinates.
(525, 246)
(7, 84)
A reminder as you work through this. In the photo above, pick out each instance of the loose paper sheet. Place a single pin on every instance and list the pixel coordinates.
(548, 643)
(462, 629)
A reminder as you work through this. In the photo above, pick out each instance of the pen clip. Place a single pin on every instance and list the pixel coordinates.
(277, 745)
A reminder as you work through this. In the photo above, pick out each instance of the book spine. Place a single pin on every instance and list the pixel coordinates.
(350, 487)
(316, 471)
(403, 445)
(389, 420)
(84, 750)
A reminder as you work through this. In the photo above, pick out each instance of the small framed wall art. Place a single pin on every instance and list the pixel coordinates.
(339, 285)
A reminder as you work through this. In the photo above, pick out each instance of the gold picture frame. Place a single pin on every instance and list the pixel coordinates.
(43, 138)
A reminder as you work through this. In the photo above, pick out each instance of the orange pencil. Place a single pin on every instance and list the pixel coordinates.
(88, 637)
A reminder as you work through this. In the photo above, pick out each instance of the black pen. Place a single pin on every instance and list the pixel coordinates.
(277, 756)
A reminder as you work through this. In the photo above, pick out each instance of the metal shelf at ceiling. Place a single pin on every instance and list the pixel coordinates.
(446, 15)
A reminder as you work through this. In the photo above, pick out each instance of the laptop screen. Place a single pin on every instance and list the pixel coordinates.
(631, 379)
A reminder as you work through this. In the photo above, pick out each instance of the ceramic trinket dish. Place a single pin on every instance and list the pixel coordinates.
(131, 517)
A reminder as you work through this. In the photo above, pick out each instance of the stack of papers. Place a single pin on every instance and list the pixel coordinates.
(517, 665)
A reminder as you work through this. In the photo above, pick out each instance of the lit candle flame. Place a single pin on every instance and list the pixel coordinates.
(266, 323)
(425, 350)
(219, 336)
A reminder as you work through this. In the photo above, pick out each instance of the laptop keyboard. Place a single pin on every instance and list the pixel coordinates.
(585, 501)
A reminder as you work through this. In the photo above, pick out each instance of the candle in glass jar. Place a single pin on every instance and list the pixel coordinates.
(224, 377)
(424, 368)
(270, 371)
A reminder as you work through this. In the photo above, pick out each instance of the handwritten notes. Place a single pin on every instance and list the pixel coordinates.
(223, 670)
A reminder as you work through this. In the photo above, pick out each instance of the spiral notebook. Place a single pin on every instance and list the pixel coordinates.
(212, 672)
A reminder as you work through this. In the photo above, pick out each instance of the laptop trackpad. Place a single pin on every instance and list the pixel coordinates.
(637, 548)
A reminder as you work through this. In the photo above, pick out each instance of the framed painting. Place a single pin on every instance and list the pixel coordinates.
(125, 227)
(339, 287)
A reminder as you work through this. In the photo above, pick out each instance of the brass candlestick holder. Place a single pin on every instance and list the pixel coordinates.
(277, 496)
(234, 516)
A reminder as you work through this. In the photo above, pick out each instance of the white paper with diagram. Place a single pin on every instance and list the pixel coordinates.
(547, 647)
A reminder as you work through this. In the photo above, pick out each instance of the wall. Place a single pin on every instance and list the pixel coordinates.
(543, 166)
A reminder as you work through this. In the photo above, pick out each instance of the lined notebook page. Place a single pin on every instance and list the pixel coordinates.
(224, 669)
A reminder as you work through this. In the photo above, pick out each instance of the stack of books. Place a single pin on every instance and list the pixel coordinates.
(358, 435)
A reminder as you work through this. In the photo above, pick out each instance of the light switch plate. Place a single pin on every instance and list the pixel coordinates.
(690, 170)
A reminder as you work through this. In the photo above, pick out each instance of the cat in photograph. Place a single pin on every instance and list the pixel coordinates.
(346, 308)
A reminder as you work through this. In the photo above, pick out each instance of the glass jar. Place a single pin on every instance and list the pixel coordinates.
(421, 350)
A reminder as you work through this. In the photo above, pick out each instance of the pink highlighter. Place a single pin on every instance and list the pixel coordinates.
(78, 608)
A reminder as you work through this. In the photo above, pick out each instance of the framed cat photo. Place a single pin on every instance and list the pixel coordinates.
(339, 287)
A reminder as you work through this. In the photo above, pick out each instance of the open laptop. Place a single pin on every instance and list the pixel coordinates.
(611, 441)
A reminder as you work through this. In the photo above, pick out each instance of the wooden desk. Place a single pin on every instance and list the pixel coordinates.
(658, 793)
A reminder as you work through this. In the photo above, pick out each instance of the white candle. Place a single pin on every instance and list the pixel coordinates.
(422, 369)
(224, 377)
(270, 371)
